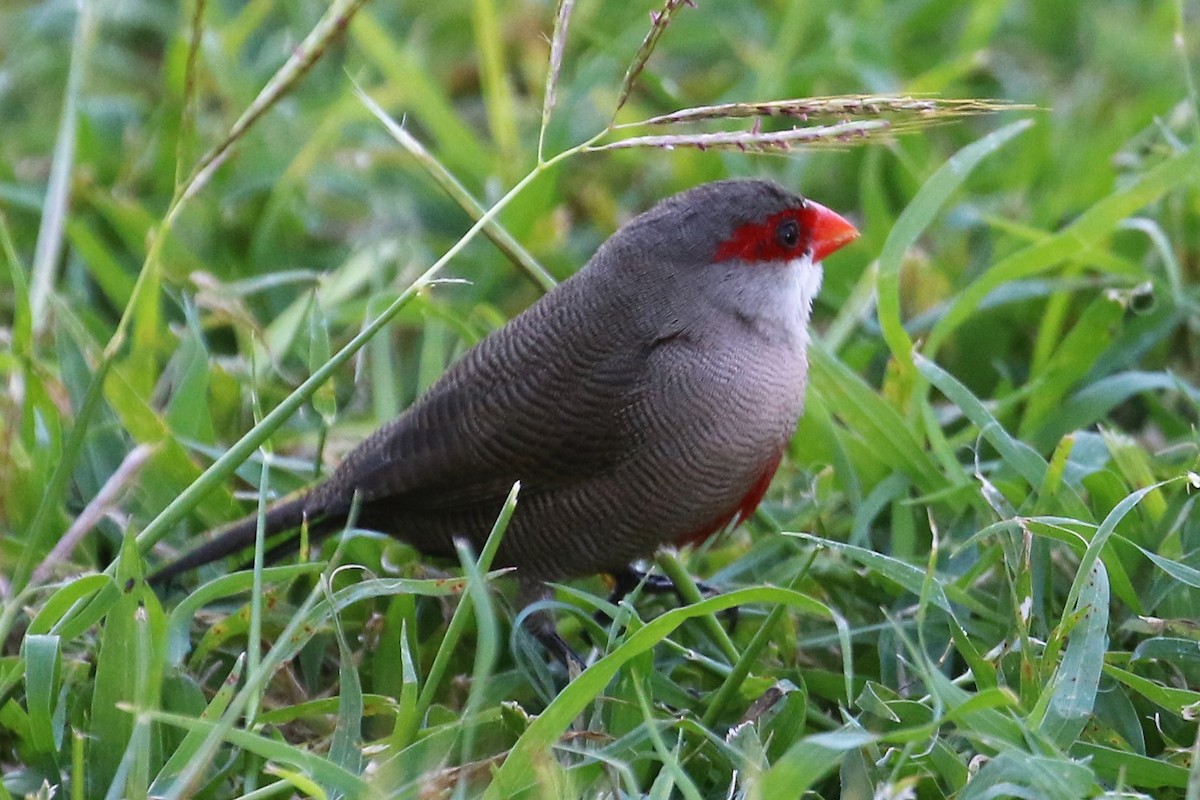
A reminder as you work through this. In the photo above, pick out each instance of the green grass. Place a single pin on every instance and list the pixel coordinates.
(977, 574)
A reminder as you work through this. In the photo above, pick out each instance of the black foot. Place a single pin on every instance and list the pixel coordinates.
(627, 578)
(561, 651)
(541, 625)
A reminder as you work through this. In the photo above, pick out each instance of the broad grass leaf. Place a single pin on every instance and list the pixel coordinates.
(1183, 653)
(128, 671)
(55, 608)
(463, 151)
(290, 328)
(1179, 571)
(1132, 769)
(1023, 460)
(372, 705)
(1020, 457)
(190, 746)
(345, 748)
(188, 414)
(43, 658)
(172, 465)
(101, 262)
(909, 576)
(886, 492)
(1072, 533)
(1095, 400)
(1096, 546)
(810, 759)
(77, 620)
(240, 582)
(519, 768)
(1132, 463)
(1018, 774)
(312, 765)
(868, 416)
(975, 714)
(913, 221)
(1071, 694)
(324, 400)
(1071, 361)
(1085, 233)
(1171, 698)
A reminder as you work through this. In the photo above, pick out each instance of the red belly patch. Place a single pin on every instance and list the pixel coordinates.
(741, 511)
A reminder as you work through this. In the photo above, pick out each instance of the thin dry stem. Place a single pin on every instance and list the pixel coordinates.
(305, 55)
(187, 121)
(843, 106)
(496, 232)
(754, 141)
(51, 237)
(558, 43)
(659, 22)
(95, 510)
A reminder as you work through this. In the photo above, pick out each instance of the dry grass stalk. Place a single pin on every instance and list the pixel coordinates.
(558, 43)
(756, 141)
(497, 233)
(187, 120)
(100, 505)
(309, 51)
(842, 106)
(658, 25)
(886, 117)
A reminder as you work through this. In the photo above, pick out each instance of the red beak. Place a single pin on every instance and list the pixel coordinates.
(830, 231)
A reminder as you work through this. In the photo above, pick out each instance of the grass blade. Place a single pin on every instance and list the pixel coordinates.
(1090, 227)
(54, 209)
(916, 217)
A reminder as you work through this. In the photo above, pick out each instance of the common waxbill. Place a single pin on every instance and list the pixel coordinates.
(645, 401)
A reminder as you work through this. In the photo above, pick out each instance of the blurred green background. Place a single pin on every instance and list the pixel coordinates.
(318, 218)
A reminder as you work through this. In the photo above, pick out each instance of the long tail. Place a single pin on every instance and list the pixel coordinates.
(238, 536)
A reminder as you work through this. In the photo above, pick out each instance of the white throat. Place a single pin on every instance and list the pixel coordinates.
(806, 276)
(776, 299)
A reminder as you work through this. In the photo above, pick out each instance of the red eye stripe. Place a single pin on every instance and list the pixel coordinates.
(757, 241)
(820, 230)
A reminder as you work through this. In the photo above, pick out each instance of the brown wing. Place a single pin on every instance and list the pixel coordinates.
(543, 401)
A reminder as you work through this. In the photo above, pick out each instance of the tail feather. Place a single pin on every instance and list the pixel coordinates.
(239, 536)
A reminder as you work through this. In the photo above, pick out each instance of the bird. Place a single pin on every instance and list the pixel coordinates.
(645, 401)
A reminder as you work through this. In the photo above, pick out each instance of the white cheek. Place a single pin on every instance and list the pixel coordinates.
(806, 282)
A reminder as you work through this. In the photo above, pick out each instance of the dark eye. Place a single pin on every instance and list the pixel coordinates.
(788, 234)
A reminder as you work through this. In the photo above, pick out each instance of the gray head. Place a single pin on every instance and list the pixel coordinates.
(744, 220)
(746, 249)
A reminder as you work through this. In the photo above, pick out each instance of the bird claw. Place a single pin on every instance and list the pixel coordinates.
(625, 581)
(628, 578)
(561, 652)
(541, 624)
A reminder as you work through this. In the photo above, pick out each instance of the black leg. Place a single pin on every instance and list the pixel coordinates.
(541, 625)
(627, 578)
(560, 650)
